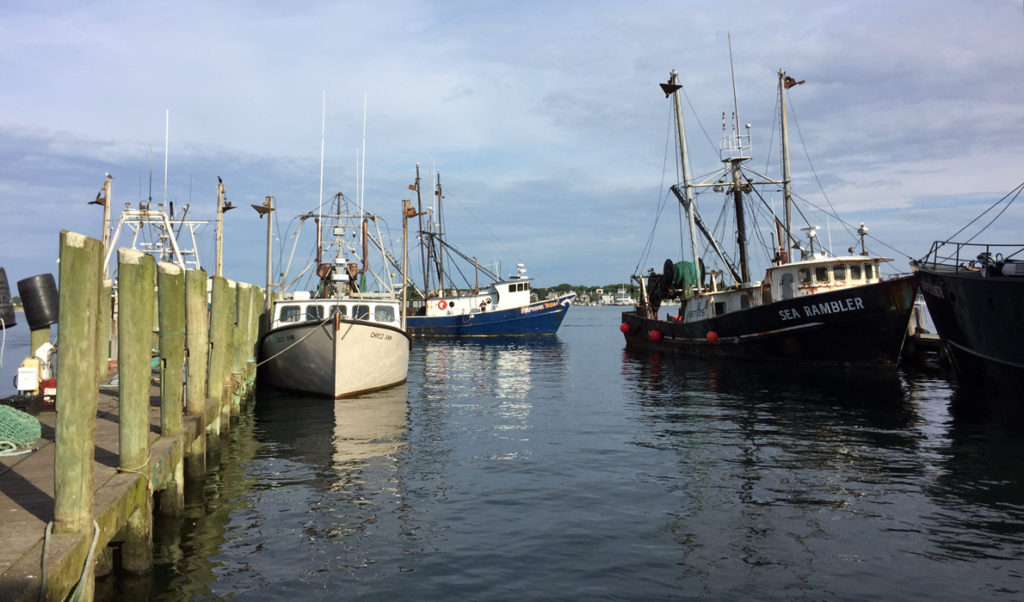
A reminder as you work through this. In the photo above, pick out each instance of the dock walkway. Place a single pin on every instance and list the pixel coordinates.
(110, 457)
(27, 495)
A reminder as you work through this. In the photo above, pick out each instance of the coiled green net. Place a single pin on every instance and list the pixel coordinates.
(17, 429)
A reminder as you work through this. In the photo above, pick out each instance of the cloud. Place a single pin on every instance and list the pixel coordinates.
(545, 119)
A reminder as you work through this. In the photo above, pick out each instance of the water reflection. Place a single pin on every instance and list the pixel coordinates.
(328, 474)
(353, 465)
(491, 380)
(750, 391)
(802, 464)
(501, 367)
(980, 489)
(370, 426)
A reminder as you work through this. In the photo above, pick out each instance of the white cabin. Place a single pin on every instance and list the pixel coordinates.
(301, 308)
(819, 273)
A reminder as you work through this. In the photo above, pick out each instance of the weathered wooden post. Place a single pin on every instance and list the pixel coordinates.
(221, 318)
(103, 335)
(171, 292)
(198, 346)
(74, 478)
(240, 355)
(39, 336)
(136, 279)
(254, 335)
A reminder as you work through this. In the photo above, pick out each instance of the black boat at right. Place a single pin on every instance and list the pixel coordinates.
(975, 295)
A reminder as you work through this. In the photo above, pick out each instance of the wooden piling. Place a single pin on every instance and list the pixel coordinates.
(240, 335)
(171, 296)
(136, 278)
(80, 268)
(221, 318)
(255, 319)
(171, 288)
(197, 352)
(93, 504)
(103, 332)
(38, 337)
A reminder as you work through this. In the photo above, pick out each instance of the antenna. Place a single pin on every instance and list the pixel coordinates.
(735, 103)
(362, 177)
(167, 136)
(323, 128)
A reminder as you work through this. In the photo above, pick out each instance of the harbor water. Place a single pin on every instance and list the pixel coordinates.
(568, 467)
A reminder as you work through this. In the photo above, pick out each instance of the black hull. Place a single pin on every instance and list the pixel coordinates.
(861, 326)
(980, 320)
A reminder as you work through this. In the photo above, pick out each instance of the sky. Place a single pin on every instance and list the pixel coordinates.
(544, 118)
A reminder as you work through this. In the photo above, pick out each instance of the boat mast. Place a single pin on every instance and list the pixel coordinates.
(734, 159)
(419, 215)
(672, 88)
(320, 203)
(440, 235)
(787, 198)
(362, 177)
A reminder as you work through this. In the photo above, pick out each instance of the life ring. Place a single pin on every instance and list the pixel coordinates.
(442, 304)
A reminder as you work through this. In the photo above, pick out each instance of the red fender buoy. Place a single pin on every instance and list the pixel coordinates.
(624, 328)
(442, 304)
(655, 335)
(712, 336)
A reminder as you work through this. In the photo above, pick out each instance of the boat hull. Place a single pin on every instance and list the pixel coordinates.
(541, 318)
(860, 326)
(338, 358)
(979, 319)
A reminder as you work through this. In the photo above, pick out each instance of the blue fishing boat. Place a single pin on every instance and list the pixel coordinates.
(502, 307)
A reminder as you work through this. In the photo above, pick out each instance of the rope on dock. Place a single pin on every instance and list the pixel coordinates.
(46, 548)
(85, 569)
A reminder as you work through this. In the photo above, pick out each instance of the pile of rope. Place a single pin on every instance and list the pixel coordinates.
(17, 430)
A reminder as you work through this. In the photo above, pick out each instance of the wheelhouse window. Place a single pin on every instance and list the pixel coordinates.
(361, 312)
(869, 271)
(339, 309)
(821, 274)
(290, 313)
(855, 272)
(384, 313)
(839, 273)
(805, 276)
(315, 312)
(719, 308)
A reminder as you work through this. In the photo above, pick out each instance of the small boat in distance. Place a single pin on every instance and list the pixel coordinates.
(341, 339)
(810, 306)
(501, 307)
(975, 296)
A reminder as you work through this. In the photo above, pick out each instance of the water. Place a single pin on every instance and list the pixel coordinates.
(14, 347)
(570, 468)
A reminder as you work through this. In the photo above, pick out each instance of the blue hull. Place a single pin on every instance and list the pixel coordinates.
(541, 318)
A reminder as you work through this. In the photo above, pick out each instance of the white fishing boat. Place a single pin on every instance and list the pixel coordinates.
(340, 339)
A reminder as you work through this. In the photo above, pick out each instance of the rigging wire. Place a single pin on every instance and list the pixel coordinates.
(845, 224)
(447, 196)
(814, 172)
(662, 198)
(700, 123)
(1015, 192)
